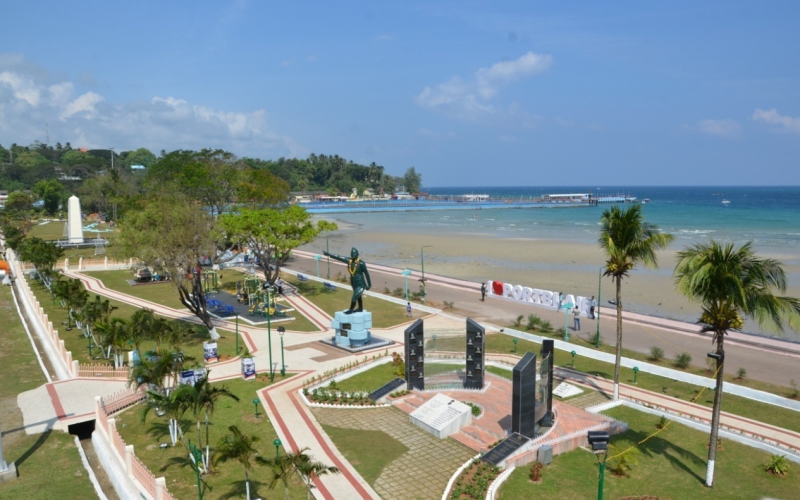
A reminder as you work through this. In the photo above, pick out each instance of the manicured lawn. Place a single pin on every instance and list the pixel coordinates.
(781, 417)
(670, 465)
(51, 455)
(369, 460)
(370, 380)
(385, 314)
(228, 480)
(49, 231)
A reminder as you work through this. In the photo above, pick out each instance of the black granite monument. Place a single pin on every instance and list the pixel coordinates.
(523, 402)
(415, 356)
(476, 350)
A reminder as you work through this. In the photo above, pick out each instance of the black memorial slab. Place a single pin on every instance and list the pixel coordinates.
(523, 402)
(546, 383)
(476, 351)
(504, 449)
(415, 356)
(386, 389)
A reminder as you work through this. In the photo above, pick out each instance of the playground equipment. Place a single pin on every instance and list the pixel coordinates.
(210, 281)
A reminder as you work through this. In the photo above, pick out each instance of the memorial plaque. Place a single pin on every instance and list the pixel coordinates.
(565, 390)
(504, 449)
(386, 389)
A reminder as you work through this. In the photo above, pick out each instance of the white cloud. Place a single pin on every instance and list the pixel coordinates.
(771, 116)
(719, 128)
(471, 99)
(89, 120)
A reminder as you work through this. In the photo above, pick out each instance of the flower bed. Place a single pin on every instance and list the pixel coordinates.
(474, 481)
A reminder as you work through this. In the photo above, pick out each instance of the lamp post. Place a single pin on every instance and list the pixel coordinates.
(277, 444)
(567, 308)
(328, 251)
(281, 331)
(269, 336)
(635, 373)
(599, 443)
(422, 259)
(406, 273)
(316, 259)
(90, 346)
(515, 344)
(255, 403)
(597, 309)
(237, 334)
(197, 457)
(573, 353)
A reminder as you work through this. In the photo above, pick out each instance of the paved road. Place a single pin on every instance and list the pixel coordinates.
(767, 365)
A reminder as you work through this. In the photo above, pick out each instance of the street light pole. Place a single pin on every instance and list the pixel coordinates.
(269, 335)
(237, 334)
(277, 444)
(281, 331)
(422, 258)
(328, 251)
(597, 309)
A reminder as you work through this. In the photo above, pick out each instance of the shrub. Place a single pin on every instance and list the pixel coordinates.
(476, 410)
(399, 292)
(533, 322)
(386, 290)
(683, 360)
(795, 392)
(741, 374)
(448, 305)
(777, 465)
(546, 327)
(536, 471)
(622, 465)
(656, 353)
(333, 386)
(662, 422)
(518, 321)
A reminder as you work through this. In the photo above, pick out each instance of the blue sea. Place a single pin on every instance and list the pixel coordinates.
(769, 216)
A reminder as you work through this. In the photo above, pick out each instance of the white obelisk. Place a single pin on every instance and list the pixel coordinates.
(74, 226)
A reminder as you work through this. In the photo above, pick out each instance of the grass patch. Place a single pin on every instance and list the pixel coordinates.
(670, 465)
(368, 451)
(385, 314)
(500, 372)
(371, 379)
(228, 480)
(51, 455)
(762, 412)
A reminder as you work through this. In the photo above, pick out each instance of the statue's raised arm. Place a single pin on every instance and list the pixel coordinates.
(336, 257)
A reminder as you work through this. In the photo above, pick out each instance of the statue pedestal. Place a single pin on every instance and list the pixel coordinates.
(352, 330)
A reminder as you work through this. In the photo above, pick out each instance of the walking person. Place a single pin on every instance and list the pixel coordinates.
(280, 286)
(483, 292)
(560, 300)
(593, 308)
(576, 315)
(408, 309)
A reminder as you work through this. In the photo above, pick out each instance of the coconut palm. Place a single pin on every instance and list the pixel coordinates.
(205, 399)
(237, 446)
(142, 327)
(175, 405)
(285, 468)
(114, 334)
(153, 372)
(730, 283)
(627, 239)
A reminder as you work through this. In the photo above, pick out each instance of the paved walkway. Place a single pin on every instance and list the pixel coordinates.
(295, 423)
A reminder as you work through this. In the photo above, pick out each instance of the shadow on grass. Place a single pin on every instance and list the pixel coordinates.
(676, 455)
(30, 451)
(238, 489)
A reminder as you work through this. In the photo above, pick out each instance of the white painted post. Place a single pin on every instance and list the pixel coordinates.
(80, 263)
(105, 262)
(161, 487)
(112, 426)
(76, 367)
(98, 403)
(66, 264)
(128, 461)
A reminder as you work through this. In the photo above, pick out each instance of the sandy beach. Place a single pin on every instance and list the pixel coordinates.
(570, 267)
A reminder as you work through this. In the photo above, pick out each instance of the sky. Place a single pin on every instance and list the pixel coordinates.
(515, 93)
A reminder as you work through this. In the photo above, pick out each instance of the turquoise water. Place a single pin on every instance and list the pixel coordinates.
(770, 216)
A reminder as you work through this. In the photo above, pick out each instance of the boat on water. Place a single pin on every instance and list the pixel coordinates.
(645, 200)
(725, 203)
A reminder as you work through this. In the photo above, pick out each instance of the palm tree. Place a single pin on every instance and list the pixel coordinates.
(114, 334)
(627, 239)
(153, 372)
(301, 464)
(205, 398)
(729, 283)
(237, 446)
(142, 327)
(175, 405)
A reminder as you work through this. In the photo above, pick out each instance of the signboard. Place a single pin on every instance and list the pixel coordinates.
(187, 377)
(210, 352)
(248, 368)
(536, 296)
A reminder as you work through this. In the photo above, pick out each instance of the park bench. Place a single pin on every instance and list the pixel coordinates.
(302, 277)
(330, 286)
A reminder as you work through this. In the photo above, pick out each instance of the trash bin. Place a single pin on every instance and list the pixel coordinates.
(545, 455)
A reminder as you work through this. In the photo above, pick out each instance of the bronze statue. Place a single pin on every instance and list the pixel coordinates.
(359, 278)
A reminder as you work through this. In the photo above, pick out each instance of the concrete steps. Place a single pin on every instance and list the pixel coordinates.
(479, 435)
(469, 441)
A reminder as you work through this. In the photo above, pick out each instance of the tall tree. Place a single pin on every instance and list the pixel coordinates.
(729, 283)
(51, 193)
(173, 233)
(627, 239)
(205, 401)
(272, 233)
(43, 255)
(412, 181)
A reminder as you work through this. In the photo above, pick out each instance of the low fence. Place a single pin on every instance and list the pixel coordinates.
(149, 486)
(96, 263)
(105, 371)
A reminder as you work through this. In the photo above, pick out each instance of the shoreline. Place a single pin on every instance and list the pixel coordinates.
(556, 265)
